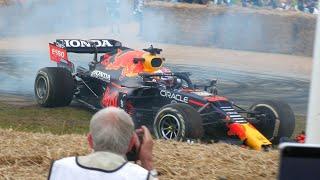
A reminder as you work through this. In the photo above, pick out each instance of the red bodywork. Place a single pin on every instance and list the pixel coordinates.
(57, 54)
(301, 138)
(121, 60)
(110, 97)
(236, 129)
(216, 98)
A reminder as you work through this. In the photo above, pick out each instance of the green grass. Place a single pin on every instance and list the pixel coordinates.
(65, 120)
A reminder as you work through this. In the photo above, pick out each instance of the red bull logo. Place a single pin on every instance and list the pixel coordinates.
(126, 60)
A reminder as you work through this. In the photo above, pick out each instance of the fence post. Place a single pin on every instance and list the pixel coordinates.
(313, 123)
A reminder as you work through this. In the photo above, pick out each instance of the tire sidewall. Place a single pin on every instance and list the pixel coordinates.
(174, 112)
(44, 75)
(276, 114)
(60, 87)
(284, 117)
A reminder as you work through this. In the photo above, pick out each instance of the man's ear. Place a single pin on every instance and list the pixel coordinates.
(134, 141)
(90, 140)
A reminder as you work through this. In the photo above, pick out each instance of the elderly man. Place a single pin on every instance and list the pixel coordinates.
(111, 136)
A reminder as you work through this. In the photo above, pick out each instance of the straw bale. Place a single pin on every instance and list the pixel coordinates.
(288, 32)
(28, 156)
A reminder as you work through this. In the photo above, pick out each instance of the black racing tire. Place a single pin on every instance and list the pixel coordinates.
(185, 121)
(279, 121)
(202, 1)
(54, 87)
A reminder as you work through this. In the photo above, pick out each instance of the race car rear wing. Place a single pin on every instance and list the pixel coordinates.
(59, 49)
(88, 46)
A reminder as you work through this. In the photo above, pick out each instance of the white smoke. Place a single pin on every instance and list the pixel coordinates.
(57, 16)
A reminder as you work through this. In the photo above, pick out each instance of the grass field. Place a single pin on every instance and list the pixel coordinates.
(66, 120)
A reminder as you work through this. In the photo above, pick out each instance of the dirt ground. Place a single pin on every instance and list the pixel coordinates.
(16, 100)
(28, 156)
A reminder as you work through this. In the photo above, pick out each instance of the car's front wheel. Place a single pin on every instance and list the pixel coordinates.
(277, 119)
(178, 122)
(54, 87)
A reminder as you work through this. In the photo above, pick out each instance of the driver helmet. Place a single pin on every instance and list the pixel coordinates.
(167, 80)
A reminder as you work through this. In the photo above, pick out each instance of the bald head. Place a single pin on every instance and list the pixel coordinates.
(111, 129)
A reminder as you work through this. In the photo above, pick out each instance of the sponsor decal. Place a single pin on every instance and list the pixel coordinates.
(100, 75)
(110, 98)
(121, 103)
(57, 54)
(216, 98)
(122, 99)
(202, 93)
(122, 61)
(78, 43)
(176, 97)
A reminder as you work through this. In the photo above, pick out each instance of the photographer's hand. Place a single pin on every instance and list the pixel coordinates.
(145, 154)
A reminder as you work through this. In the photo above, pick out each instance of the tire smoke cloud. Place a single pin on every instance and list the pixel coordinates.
(36, 17)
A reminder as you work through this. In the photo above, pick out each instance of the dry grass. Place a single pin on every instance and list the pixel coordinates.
(28, 156)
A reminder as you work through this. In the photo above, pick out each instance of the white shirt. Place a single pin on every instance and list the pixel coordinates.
(96, 166)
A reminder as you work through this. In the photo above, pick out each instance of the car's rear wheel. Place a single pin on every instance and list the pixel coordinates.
(278, 120)
(54, 87)
(178, 122)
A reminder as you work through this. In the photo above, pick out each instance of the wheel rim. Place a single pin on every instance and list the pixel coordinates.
(42, 88)
(169, 127)
(271, 117)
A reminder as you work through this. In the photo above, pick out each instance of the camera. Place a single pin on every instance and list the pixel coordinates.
(133, 155)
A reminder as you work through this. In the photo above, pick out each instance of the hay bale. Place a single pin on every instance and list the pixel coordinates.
(239, 28)
(30, 154)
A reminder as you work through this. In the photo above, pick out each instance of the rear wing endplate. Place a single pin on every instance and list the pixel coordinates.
(59, 49)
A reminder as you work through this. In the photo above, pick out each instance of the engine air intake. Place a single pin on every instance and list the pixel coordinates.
(156, 62)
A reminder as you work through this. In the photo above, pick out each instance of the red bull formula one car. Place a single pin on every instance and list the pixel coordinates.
(167, 102)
